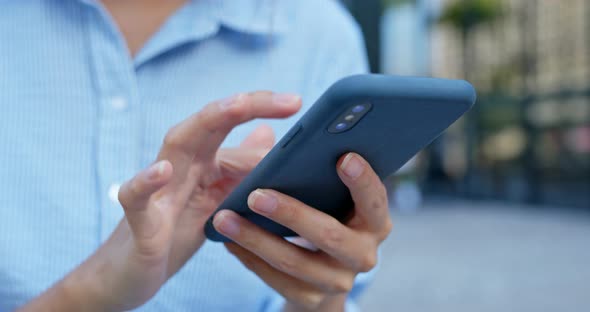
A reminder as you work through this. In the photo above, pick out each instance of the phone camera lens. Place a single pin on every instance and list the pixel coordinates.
(341, 126)
(358, 109)
(350, 117)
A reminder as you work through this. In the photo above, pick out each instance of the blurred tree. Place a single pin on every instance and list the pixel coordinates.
(465, 16)
(387, 3)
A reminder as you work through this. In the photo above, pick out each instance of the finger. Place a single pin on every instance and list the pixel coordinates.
(135, 194)
(238, 162)
(202, 133)
(234, 165)
(314, 268)
(368, 193)
(263, 136)
(355, 249)
(291, 288)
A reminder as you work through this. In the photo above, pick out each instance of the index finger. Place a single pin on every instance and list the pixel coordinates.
(202, 133)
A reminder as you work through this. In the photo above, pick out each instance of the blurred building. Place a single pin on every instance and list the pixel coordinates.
(528, 138)
(543, 44)
(531, 66)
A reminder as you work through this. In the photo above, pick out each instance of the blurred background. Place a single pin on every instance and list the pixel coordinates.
(495, 214)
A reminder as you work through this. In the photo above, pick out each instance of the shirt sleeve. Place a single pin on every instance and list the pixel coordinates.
(341, 54)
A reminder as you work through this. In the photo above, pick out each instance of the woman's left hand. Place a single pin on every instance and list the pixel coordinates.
(313, 279)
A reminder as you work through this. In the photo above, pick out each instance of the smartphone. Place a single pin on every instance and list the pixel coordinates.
(385, 119)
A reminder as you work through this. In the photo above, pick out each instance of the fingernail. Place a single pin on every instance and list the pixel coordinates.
(156, 170)
(352, 166)
(231, 101)
(262, 202)
(285, 99)
(226, 224)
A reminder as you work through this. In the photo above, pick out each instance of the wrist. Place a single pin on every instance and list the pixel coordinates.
(82, 288)
(72, 293)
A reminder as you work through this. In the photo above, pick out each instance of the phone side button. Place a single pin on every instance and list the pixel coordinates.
(291, 135)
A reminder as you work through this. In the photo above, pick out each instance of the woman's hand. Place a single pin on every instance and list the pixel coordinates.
(313, 280)
(166, 206)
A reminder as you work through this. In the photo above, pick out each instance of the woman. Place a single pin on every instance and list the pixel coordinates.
(90, 94)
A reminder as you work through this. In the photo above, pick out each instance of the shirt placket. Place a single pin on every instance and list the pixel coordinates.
(118, 140)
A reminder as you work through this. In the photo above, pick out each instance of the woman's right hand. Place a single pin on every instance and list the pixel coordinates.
(166, 206)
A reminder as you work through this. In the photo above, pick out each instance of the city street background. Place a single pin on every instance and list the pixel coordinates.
(495, 214)
(471, 256)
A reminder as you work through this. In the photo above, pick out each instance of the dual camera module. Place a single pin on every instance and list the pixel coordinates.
(349, 118)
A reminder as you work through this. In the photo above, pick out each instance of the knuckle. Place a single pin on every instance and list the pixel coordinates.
(122, 196)
(173, 139)
(236, 111)
(379, 201)
(129, 192)
(341, 285)
(135, 188)
(332, 235)
(387, 229)
(287, 264)
(368, 262)
(311, 300)
(207, 122)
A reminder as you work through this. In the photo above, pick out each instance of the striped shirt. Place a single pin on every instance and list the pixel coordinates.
(80, 116)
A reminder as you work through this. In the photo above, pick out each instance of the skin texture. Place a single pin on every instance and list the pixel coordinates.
(138, 20)
(167, 205)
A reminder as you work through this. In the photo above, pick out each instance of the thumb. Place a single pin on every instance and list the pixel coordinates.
(238, 162)
(134, 196)
(262, 137)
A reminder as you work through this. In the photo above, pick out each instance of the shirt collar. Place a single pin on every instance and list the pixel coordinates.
(254, 17)
(200, 19)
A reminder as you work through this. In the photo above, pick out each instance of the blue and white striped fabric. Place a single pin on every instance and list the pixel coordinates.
(79, 116)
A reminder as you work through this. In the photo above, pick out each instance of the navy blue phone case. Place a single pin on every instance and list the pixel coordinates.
(407, 113)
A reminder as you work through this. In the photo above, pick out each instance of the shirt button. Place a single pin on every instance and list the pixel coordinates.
(114, 192)
(118, 103)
